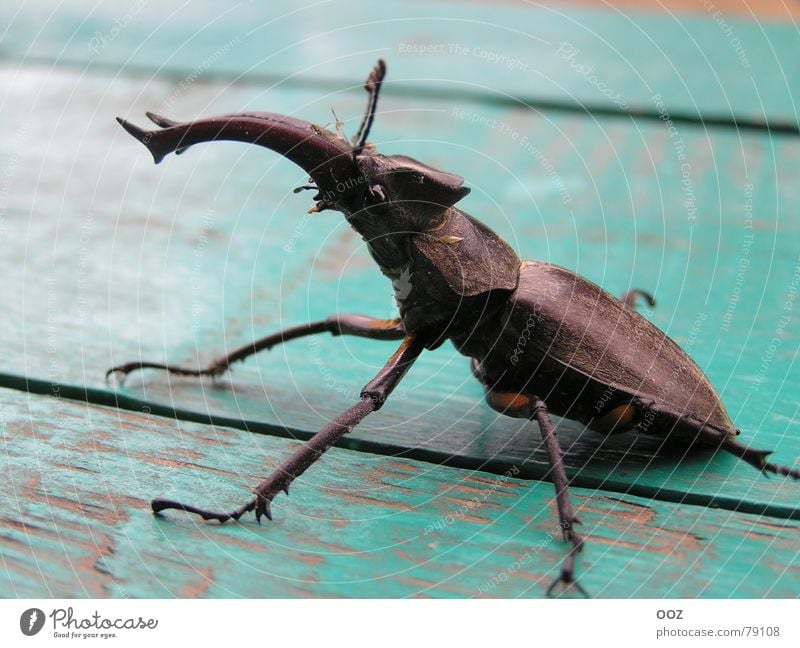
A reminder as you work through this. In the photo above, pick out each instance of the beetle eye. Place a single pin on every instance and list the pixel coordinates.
(375, 201)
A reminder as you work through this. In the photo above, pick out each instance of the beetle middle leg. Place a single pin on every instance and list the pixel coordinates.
(631, 298)
(373, 395)
(532, 407)
(340, 324)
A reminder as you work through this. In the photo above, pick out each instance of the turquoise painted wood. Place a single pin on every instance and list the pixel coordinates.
(211, 249)
(576, 54)
(75, 523)
(106, 258)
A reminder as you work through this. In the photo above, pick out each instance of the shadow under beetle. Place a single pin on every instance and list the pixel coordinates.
(541, 339)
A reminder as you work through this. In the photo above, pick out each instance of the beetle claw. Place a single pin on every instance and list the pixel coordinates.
(569, 583)
(263, 507)
(115, 377)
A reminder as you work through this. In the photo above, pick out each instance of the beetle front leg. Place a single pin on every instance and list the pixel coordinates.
(340, 324)
(373, 395)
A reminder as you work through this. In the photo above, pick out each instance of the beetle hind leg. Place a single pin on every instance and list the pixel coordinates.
(621, 418)
(566, 514)
(714, 436)
(533, 408)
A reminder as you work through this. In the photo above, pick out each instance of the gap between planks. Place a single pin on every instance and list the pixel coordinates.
(531, 472)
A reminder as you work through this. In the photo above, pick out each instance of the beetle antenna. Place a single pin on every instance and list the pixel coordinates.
(373, 86)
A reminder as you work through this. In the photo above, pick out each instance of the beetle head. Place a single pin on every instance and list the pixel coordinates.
(389, 193)
(402, 193)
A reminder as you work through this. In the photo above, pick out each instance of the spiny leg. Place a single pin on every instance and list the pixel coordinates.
(758, 459)
(373, 395)
(631, 298)
(532, 407)
(356, 325)
(713, 435)
(566, 514)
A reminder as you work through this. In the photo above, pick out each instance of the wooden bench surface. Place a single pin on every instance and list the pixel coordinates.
(106, 258)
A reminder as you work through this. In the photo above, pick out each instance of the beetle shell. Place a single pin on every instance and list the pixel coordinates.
(585, 353)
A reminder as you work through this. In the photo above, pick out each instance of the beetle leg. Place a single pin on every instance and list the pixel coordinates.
(373, 395)
(356, 325)
(373, 87)
(622, 418)
(758, 458)
(631, 298)
(533, 408)
(715, 436)
(566, 513)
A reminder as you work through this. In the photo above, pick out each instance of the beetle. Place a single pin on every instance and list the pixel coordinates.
(541, 339)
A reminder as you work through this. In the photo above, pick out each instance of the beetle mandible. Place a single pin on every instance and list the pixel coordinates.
(476, 293)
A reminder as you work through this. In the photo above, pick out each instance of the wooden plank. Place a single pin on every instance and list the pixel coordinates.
(703, 65)
(107, 258)
(75, 523)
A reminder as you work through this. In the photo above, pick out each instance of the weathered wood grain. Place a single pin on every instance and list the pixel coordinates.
(107, 258)
(75, 522)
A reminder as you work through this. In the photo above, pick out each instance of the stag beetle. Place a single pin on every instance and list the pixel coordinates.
(586, 355)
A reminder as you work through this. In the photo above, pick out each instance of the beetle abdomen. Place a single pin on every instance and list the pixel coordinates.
(566, 335)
